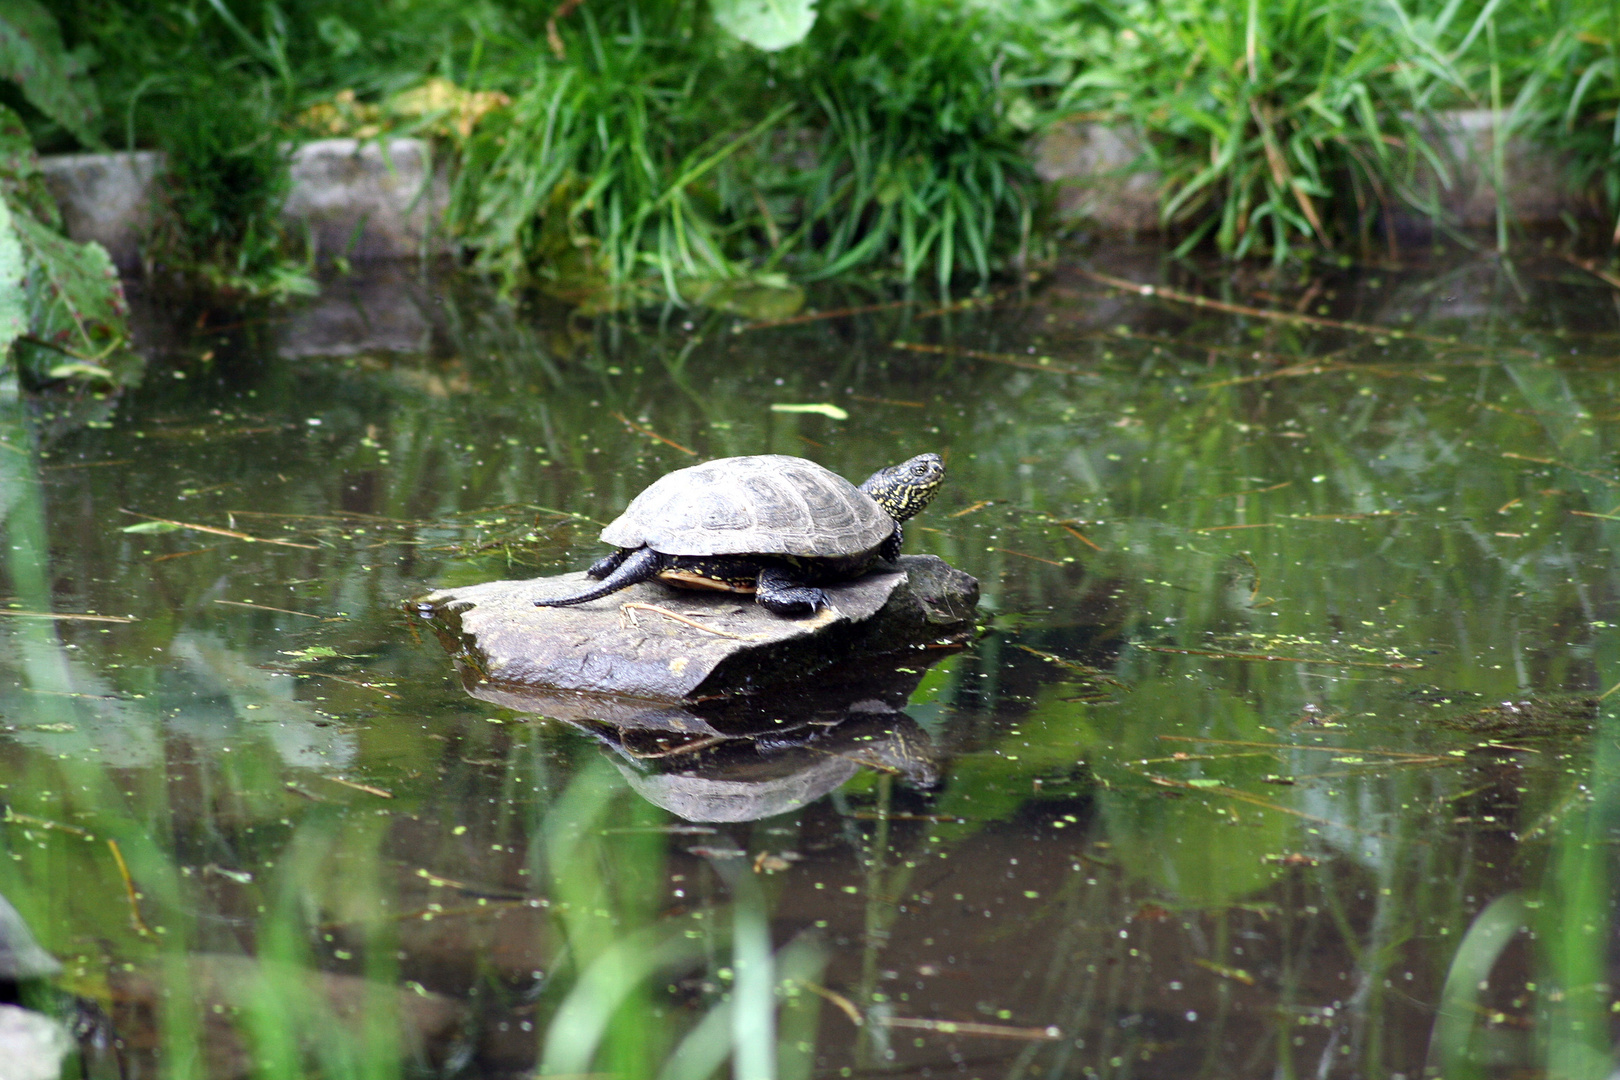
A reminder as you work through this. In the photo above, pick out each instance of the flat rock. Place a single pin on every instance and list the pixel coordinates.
(21, 957)
(654, 642)
(32, 1045)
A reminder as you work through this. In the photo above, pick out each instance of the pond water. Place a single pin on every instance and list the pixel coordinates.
(1283, 748)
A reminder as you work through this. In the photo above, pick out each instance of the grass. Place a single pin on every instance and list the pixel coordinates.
(917, 162)
(646, 154)
(609, 164)
(656, 148)
(1276, 127)
(1296, 127)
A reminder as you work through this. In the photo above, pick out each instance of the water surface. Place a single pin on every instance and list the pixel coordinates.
(1284, 748)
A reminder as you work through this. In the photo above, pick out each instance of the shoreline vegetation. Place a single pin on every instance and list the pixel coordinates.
(616, 153)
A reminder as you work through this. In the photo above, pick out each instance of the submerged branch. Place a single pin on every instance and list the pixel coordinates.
(650, 433)
(1270, 658)
(1295, 317)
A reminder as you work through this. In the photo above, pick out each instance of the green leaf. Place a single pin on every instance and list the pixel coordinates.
(314, 652)
(152, 527)
(766, 24)
(22, 184)
(52, 79)
(13, 306)
(75, 301)
(77, 369)
(832, 411)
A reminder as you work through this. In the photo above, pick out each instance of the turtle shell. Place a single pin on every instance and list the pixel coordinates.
(769, 504)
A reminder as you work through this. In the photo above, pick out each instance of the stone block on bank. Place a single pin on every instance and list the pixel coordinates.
(363, 200)
(106, 198)
(1538, 185)
(368, 200)
(1101, 175)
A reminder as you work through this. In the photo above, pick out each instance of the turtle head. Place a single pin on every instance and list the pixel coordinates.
(904, 490)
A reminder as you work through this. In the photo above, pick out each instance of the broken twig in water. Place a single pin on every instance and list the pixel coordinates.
(1560, 465)
(1235, 974)
(324, 675)
(1370, 515)
(1255, 800)
(1043, 363)
(14, 818)
(1330, 367)
(1078, 535)
(129, 890)
(650, 433)
(866, 309)
(1608, 277)
(281, 610)
(1021, 555)
(844, 1004)
(889, 401)
(66, 616)
(1270, 658)
(818, 316)
(685, 748)
(1086, 670)
(1293, 746)
(367, 788)
(1252, 491)
(232, 533)
(1391, 332)
(964, 1027)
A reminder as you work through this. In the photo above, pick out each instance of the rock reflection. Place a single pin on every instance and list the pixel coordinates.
(746, 759)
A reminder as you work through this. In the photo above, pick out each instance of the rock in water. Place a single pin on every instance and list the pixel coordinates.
(650, 641)
(21, 957)
(32, 1045)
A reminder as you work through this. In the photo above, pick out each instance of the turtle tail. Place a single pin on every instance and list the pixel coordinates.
(641, 565)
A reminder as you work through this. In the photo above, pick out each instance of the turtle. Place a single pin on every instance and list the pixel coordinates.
(768, 524)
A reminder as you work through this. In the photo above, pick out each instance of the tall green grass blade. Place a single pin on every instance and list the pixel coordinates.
(1483, 943)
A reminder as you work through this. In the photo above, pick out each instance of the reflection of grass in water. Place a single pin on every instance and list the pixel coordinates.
(1391, 873)
(268, 980)
(1529, 716)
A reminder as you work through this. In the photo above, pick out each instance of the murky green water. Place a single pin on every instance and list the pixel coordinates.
(1282, 752)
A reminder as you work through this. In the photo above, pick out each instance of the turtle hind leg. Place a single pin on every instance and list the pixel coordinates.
(604, 566)
(636, 566)
(783, 594)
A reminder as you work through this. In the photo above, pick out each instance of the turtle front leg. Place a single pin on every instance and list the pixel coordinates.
(604, 566)
(889, 550)
(779, 592)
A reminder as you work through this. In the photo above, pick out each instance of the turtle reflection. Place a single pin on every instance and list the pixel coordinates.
(744, 778)
(751, 758)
